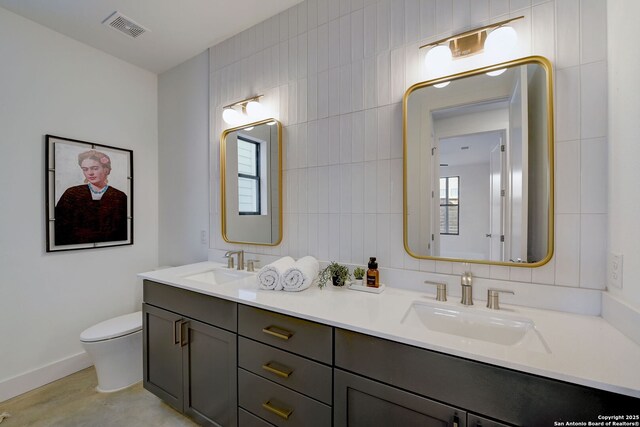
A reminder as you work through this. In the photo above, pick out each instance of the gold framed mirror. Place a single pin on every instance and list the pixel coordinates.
(478, 165)
(251, 183)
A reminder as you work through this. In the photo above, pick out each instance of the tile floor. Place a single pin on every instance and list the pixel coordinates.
(73, 401)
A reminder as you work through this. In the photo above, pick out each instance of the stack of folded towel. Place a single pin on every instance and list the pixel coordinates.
(289, 275)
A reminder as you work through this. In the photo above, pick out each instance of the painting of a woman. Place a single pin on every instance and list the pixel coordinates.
(94, 211)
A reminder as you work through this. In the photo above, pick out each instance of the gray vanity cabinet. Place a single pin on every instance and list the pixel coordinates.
(474, 420)
(485, 391)
(162, 355)
(190, 364)
(361, 402)
(209, 381)
(227, 364)
(284, 369)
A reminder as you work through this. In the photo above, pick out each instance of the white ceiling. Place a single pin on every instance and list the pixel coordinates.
(179, 29)
(480, 147)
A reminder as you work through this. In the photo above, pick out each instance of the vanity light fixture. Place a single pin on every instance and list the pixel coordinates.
(231, 116)
(249, 108)
(497, 41)
(496, 72)
(438, 59)
(255, 110)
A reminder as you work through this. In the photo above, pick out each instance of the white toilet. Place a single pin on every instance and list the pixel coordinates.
(115, 347)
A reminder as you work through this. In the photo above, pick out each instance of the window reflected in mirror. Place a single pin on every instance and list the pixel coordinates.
(250, 177)
(449, 205)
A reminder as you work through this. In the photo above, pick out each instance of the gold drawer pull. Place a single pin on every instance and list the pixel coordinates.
(277, 332)
(281, 412)
(278, 369)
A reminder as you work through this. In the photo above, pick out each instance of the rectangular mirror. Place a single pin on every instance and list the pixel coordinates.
(251, 183)
(478, 165)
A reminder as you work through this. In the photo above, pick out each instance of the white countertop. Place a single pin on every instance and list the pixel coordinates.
(580, 349)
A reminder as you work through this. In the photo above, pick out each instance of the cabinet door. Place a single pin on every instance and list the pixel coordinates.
(360, 402)
(162, 355)
(209, 371)
(474, 420)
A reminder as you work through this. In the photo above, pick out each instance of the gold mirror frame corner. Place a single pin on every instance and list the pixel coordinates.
(223, 204)
(548, 67)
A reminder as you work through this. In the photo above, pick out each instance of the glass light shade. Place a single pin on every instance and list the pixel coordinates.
(496, 72)
(271, 123)
(250, 128)
(231, 116)
(500, 42)
(255, 110)
(438, 59)
(441, 85)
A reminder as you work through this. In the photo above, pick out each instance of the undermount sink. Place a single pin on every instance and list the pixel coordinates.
(475, 323)
(218, 276)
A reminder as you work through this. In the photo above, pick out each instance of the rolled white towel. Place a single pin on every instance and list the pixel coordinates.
(300, 276)
(270, 276)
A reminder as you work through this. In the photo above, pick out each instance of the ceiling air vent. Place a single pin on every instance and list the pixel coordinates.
(124, 25)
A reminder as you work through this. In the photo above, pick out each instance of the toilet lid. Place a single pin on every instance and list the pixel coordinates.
(113, 328)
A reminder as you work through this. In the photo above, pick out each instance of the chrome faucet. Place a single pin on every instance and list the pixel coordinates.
(466, 281)
(240, 255)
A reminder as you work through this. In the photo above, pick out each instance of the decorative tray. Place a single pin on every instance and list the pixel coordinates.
(363, 288)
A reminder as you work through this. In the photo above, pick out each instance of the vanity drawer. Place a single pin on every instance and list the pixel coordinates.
(205, 308)
(247, 419)
(288, 333)
(278, 404)
(306, 376)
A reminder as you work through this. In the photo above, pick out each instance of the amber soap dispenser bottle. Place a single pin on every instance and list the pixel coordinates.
(373, 275)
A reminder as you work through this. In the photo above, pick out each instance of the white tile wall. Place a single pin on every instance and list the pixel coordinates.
(567, 177)
(336, 70)
(568, 27)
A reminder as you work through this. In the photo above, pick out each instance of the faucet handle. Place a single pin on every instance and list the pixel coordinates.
(493, 300)
(441, 289)
(251, 265)
(229, 257)
(229, 262)
(466, 279)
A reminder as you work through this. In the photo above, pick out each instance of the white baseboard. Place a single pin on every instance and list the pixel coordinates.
(621, 316)
(30, 380)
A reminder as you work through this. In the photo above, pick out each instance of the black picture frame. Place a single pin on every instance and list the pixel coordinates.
(93, 214)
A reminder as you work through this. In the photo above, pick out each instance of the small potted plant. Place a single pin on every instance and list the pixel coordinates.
(339, 275)
(358, 275)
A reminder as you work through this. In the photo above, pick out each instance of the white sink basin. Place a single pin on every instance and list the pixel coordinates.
(473, 322)
(218, 276)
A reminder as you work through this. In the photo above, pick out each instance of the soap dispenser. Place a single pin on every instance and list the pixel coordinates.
(373, 275)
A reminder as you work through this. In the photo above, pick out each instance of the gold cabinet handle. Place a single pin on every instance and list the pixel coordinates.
(278, 369)
(283, 334)
(176, 339)
(184, 334)
(279, 411)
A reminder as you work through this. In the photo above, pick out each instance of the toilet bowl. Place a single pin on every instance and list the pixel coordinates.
(115, 347)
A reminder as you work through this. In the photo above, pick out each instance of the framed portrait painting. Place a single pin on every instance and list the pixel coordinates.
(89, 195)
